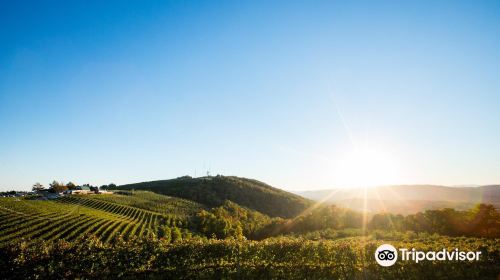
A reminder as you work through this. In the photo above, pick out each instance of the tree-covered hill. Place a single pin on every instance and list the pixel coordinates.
(213, 191)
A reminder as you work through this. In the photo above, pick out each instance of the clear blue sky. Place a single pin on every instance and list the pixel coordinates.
(127, 91)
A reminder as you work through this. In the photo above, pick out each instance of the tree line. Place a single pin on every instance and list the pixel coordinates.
(232, 220)
(482, 221)
(58, 187)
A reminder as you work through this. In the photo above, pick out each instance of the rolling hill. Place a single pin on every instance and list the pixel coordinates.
(224, 207)
(145, 210)
(213, 191)
(407, 199)
(105, 216)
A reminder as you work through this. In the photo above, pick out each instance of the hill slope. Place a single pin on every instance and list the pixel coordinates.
(213, 191)
(406, 199)
(75, 216)
(154, 202)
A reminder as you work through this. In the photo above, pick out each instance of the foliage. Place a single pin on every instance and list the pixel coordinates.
(279, 258)
(232, 220)
(57, 187)
(482, 220)
(38, 187)
(214, 191)
(70, 186)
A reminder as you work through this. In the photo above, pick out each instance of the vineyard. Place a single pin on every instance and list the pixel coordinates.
(277, 258)
(106, 217)
(153, 202)
(141, 234)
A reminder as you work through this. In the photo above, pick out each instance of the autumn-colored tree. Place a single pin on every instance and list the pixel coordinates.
(58, 187)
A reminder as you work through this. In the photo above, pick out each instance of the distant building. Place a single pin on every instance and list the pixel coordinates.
(105, 192)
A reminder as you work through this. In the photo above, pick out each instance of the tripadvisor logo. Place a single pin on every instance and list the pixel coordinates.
(387, 255)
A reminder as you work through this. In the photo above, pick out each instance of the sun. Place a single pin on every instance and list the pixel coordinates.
(367, 167)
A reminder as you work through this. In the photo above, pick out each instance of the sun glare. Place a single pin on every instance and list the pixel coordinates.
(367, 167)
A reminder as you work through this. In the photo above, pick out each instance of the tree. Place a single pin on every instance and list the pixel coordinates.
(38, 187)
(58, 187)
(484, 221)
(70, 186)
(108, 187)
(382, 221)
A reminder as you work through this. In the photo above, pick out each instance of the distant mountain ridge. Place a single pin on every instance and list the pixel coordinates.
(405, 199)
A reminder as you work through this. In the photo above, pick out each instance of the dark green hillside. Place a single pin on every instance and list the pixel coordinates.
(213, 191)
